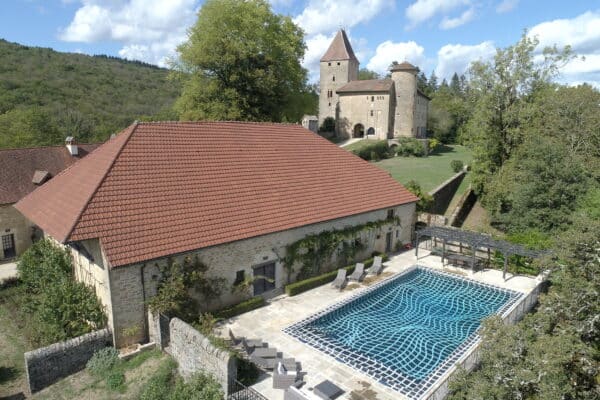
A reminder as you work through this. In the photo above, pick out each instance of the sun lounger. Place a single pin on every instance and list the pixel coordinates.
(283, 378)
(340, 279)
(377, 266)
(359, 273)
(251, 343)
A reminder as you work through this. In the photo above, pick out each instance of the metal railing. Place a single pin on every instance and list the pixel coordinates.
(238, 391)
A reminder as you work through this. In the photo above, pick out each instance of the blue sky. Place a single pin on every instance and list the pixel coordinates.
(440, 35)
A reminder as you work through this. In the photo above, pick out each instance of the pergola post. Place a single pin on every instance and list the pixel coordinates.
(443, 250)
(417, 246)
(474, 250)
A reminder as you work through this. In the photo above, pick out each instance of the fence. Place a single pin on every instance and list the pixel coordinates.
(238, 391)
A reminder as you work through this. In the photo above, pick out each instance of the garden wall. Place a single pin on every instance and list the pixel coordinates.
(194, 353)
(46, 365)
(443, 194)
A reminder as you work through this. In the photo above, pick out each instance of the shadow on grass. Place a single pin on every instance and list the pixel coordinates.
(442, 149)
(7, 374)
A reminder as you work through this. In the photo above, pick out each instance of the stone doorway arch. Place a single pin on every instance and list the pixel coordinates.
(359, 131)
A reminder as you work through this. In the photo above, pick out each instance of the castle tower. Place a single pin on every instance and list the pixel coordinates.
(338, 67)
(404, 76)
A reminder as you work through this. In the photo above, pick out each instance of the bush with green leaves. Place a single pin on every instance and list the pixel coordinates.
(410, 147)
(376, 151)
(42, 265)
(328, 125)
(103, 361)
(456, 165)
(425, 199)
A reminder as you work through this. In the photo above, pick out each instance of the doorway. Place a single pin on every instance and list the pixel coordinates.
(359, 131)
(8, 245)
(388, 242)
(264, 278)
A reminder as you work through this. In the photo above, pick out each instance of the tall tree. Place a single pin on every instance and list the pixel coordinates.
(241, 62)
(422, 83)
(432, 83)
(365, 74)
(503, 89)
(455, 85)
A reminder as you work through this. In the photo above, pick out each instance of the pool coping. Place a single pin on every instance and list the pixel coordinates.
(440, 374)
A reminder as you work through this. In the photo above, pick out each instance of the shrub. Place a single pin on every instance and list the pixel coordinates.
(302, 286)
(240, 308)
(328, 125)
(456, 165)
(103, 361)
(433, 144)
(425, 199)
(42, 265)
(410, 147)
(374, 151)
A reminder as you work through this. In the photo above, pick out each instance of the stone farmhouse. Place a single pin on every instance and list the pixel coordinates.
(234, 194)
(377, 108)
(21, 172)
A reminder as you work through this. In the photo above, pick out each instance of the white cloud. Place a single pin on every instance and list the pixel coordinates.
(506, 6)
(450, 23)
(388, 51)
(422, 10)
(457, 57)
(325, 16)
(149, 30)
(582, 33)
(316, 46)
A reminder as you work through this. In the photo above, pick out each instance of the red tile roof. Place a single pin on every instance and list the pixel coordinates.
(18, 167)
(339, 49)
(164, 188)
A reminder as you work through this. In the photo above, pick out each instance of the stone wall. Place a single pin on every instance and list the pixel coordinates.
(405, 85)
(372, 110)
(47, 365)
(194, 353)
(443, 194)
(13, 222)
(344, 71)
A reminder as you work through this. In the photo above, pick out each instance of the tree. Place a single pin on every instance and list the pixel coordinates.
(27, 127)
(425, 200)
(455, 85)
(241, 62)
(432, 84)
(365, 74)
(503, 89)
(422, 83)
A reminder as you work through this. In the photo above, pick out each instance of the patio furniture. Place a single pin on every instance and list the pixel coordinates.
(294, 392)
(283, 378)
(377, 266)
(249, 342)
(340, 279)
(270, 363)
(328, 390)
(359, 273)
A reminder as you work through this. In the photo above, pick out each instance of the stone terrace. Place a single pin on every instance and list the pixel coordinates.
(267, 323)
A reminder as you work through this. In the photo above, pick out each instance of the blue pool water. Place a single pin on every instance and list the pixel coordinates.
(406, 331)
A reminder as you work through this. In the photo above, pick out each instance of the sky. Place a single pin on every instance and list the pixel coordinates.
(436, 35)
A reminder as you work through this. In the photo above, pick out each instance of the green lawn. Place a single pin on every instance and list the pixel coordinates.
(429, 171)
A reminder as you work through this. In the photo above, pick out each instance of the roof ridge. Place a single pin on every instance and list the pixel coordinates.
(84, 208)
(52, 146)
(205, 122)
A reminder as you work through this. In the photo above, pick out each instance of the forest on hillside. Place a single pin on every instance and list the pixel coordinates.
(47, 95)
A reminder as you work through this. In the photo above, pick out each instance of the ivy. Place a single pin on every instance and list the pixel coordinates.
(313, 251)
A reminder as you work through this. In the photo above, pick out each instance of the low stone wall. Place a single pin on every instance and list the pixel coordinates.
(443, 194)
(471, 358)
(158, 329)
(46, 365)
(194, 353)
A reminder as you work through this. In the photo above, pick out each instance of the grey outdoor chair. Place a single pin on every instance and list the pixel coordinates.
(251, 343)
(359, 273)
(283, 379)
(340, 280)
(377, 266)
(264, 352)
(270, 363)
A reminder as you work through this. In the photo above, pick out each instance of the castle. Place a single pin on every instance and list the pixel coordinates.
(375, 108)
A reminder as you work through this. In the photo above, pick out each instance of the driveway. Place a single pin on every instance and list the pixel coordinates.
(8, 270)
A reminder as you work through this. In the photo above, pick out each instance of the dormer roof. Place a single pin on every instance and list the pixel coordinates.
(339, 49)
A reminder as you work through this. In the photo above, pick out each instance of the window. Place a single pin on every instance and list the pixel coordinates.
(8, 245)
(390, 213)
(330, 104)
(265, 278)
(240, 277)
(338, 63)
(329, 64)
(372, 98)
(334, 78)
(397, 234)
(371, 113)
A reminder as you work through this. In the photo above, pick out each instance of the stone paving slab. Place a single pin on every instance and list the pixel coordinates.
(267, 323)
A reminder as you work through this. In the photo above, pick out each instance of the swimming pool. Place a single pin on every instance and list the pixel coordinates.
(406, 332)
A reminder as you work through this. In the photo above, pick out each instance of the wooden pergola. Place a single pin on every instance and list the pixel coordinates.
(475, 241)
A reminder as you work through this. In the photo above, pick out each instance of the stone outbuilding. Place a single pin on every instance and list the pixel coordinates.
(21, 172)
(377, 108)
(233, 194)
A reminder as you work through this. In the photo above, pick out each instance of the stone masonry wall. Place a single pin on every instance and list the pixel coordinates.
(406, 89)
(46, 365)
(372, 110)
(443, 194)
(13, 222)
(194, 353)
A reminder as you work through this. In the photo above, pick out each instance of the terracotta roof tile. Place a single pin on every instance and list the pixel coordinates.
(368, 85)
(18, 167)
(165, 188)
(339, 49)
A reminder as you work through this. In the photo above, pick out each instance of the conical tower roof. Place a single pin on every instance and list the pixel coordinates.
(339, 49)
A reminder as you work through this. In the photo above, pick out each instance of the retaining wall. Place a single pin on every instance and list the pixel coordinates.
(46, 365)
(443, 194)
(194, 353)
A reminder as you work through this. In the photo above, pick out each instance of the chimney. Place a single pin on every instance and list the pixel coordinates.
(72, 145)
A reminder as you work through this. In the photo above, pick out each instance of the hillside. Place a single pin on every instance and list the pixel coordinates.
(46, 95)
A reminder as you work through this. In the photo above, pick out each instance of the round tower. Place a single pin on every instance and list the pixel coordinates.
(404, 76)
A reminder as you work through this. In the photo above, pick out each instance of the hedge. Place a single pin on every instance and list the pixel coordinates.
(240, 308)
(302, 286)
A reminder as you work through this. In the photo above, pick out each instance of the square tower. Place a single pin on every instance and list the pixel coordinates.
(339, 66)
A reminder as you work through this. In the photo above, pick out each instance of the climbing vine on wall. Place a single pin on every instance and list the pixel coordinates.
(314, 251)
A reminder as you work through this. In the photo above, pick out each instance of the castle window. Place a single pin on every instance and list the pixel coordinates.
(338, 63)
(329, 104)
(334, 78)
(372, 97)
(329, 64)
(371, 113)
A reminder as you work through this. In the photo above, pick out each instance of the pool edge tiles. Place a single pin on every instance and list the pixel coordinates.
(398, 381)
